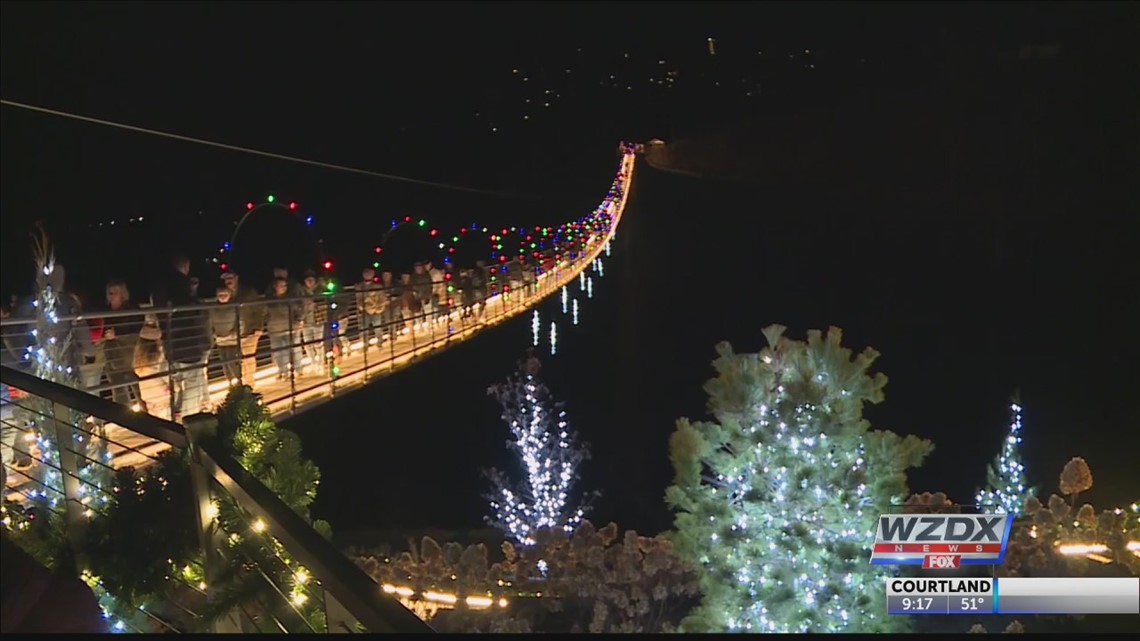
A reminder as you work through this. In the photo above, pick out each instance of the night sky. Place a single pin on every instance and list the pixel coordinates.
(970, 214)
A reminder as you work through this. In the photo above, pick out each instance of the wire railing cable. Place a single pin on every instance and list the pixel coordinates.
(266, 154)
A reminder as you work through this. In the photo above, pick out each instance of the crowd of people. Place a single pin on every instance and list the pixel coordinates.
(155, 357)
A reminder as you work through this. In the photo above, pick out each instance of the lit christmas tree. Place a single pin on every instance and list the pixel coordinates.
(550, 455)
(1006, 490)
(777, 500)
(52, 351)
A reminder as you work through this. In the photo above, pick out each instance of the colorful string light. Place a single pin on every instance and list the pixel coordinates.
(222, 260)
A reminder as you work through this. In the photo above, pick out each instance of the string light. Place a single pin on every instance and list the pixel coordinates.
(534, 325)
(553, 338)
(222, 260)
(1006, 491)
(550, 454)
(575, 311)
(565, 296)
(589, 286)
(786, 509)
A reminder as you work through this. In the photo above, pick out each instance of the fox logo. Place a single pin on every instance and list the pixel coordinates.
(941, 561)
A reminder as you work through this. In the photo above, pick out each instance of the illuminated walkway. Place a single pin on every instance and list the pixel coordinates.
(306, 387)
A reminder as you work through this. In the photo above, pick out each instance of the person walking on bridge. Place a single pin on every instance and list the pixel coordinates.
(252, 323)
(186, 339)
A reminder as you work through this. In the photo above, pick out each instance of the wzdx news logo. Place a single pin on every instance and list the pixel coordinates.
(941, 541)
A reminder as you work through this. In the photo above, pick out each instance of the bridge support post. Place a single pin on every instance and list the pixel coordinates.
(415, 321)
(65, 432)
(367, 333)
(199, 428)
(337, 617)
(293, 364)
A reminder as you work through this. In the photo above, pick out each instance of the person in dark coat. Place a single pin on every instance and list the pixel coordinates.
(187, 339)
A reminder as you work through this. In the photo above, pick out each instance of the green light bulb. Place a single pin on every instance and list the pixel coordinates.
(422, 223)
(376, 265)
(455, 239)
(270, 198)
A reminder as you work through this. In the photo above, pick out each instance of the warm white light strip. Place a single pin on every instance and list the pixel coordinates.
(446, 598)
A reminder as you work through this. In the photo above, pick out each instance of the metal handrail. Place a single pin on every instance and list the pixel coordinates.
(211, 303)
(341, 578)
(145, 424)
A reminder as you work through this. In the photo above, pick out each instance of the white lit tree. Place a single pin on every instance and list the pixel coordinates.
(550, 455)
(777, 499)
(52, 353)
(1006, 490)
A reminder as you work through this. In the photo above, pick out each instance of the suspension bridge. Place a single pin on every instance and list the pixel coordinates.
(347, 356)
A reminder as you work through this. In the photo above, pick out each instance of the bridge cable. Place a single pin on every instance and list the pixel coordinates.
(267, 154)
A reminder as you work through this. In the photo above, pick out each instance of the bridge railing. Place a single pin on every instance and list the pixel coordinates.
(312, 346)
(301, 582)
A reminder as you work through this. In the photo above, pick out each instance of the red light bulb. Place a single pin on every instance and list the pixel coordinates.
(328, 264)
(407, 219)
(463, 230)
(292, 205)
(378, 250)
(502, 259)
(223, 266)
(451, 250)
(447, 276)
(249, 205)
(434, 232)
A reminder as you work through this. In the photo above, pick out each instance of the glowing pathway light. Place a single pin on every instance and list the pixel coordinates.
(534, 326)
(553, 338)
(565, 296)
(575, 311)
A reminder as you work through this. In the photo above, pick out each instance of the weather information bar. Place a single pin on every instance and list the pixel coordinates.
(1013, 596)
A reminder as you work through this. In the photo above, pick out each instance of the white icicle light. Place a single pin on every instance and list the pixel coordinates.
(582, 280)
(553, 338)
(565, 297)
(575, 311)
(589, 287)
(534, 327)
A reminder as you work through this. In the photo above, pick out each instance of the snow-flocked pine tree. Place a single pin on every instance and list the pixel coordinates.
(1005, 489)
(550, 455)
(777, 499)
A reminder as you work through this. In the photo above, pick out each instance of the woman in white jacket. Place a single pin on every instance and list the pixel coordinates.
(151, 368)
